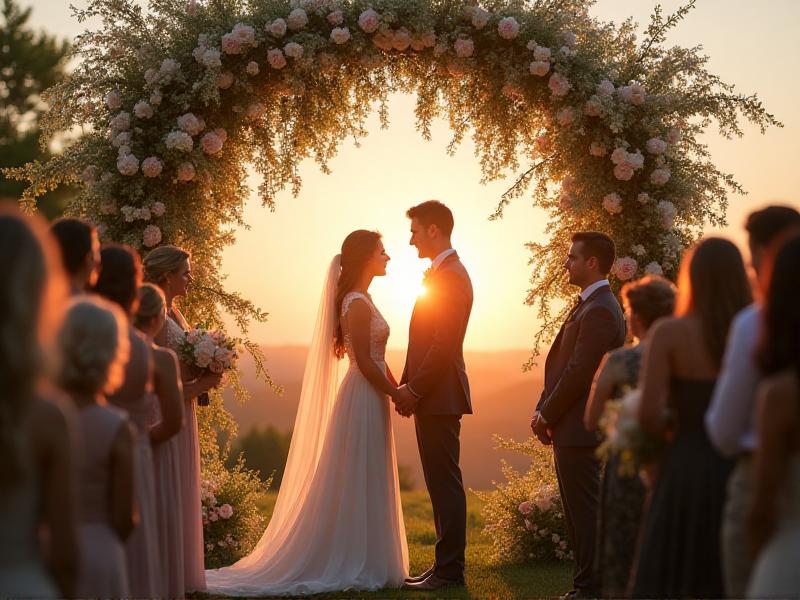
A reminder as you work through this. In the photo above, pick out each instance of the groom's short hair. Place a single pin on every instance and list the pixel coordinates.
(598, 245)
(433, 212)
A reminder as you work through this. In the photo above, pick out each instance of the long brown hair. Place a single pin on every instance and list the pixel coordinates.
(713, 285)
(357, 248)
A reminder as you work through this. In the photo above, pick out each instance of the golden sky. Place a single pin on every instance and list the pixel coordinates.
(280, 261)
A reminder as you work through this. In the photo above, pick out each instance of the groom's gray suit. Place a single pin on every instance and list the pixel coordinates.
(436, 374)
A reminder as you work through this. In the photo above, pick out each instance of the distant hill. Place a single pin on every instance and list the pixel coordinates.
(502, 397)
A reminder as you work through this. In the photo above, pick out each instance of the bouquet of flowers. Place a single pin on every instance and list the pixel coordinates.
(208, 351)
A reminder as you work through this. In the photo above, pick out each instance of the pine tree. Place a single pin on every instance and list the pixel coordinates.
(30, 62)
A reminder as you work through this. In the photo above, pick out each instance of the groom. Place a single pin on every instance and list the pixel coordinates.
(435, 389)
(594, 326)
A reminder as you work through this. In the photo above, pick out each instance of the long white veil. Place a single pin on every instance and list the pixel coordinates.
(318, 395)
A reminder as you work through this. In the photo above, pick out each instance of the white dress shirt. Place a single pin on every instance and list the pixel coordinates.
(593, 288)
(730, 418)
(440, 259)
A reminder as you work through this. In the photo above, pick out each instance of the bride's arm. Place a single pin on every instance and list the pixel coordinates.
(358, 324)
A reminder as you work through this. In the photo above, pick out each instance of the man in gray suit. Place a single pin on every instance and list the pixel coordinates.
(435, 388)
(595, 325)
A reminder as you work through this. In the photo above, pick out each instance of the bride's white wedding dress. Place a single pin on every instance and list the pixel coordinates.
(338, 522)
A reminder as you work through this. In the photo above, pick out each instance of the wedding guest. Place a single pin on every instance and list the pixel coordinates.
(80, 252)
(119, 282)
(94, 348)
(774, 518)
(622, 496)
(730, 420)
(680, 544)
(167, 420)
(169, 267)
(37, 482)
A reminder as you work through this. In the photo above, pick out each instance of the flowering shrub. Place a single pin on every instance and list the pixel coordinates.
(524, 516)
(232, 521)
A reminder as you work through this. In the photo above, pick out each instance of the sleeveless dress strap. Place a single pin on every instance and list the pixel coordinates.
(348, 300)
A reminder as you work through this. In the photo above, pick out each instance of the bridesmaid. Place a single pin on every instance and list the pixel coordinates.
(622, 496)
(37, 484)
(93, 343)
(119, 282)
(169, 267)
(167, 419)
(680, 545)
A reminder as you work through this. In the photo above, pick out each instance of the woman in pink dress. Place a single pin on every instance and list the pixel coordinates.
(166, 420)
(94, 348)
(169, 267)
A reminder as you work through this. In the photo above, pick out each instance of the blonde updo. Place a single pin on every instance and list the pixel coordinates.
(94, 346)
(151, 304)
(162, 261)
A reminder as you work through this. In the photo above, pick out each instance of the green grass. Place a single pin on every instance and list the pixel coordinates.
(484, 579)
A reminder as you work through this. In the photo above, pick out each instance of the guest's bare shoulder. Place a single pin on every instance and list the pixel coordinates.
(165, 359)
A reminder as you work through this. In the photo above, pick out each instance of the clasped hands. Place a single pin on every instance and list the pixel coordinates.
(540, 429)
(405, 403)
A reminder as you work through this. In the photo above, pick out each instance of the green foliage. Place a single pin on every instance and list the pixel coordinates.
(264, 451)
(524, 515)
(232, 521)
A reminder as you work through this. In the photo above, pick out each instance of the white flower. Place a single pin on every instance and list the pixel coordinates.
(128, 214)
(244, 34)
(121, 139)
(667, 212)
(660, 176)
(340, 35)
(464, 47)
(142, 110)
(90, 173)
(252, 68)
(542, 53)
(654, 268)
(633, 93)
(567, 51)
(480, 17)
(151, 236)
(143, 214)
(212, 58)
(508, 28)
(674, 135)
(225, 80)
(335, 18)
(369, 21)
(293, 50)
(128, 164)
(186, 171)
(121, 121)
(559, 85)
(643, 198)
(612, 203)
(635, 159)
(656, 146)
(169, 67)
(179, 140)
(570, 39)
(297, 19)
(624, 268)
(255, 111)
(189, 123)
(230, 44)
(156, 98)
(565, 116)
(151, 76)
(211, 143)
(276, 59)
(638, 250)
(158, 209)
(598, 149)
(539, 68)
(623, 171)
(277, 28)
(401, 39)
(114, 100)
(152, 166)
(605, 88)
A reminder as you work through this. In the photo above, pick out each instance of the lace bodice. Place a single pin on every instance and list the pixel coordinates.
(378, 330)
(174, 334)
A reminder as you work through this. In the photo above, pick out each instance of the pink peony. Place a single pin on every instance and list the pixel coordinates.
(226, 511)
(654, 268)
(277, 28)
(155, 98)
(464, 47)
(660, 176)
(369, 21)
(152, 166)
(559, 85)
(121, 121)
(142, 110)
(565, 116)
(624, 268)
(244, 34)
(598, 149)
(151, 236)
(541, 53)
(605, 88)
(114, 100)
(335, 18)
(230, 45)
(539, 68)
(158, 209)
(340, 35)
(643, 198)
(189, 123)
(633, 94)
(297, 19)
(508, 28)
(612, 203)
(252, 68)
(128, 165)
(211, 143)
(526, 508)
(656, 146)
(293, 50)
(401, 39)
(276, 59)
(179, 140)
(480, 17)
(623, 171)
(619, 155)
(186, 172)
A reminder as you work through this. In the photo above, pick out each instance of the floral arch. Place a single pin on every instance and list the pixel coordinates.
(602, 129)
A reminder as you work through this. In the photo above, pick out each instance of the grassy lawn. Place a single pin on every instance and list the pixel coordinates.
(484, 579)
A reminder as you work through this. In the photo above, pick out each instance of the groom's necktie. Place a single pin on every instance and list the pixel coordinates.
(576, 304)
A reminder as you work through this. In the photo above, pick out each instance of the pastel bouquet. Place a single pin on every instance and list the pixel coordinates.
(207, 350)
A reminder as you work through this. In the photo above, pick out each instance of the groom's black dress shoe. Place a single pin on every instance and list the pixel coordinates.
(421, 577)
(434, 582)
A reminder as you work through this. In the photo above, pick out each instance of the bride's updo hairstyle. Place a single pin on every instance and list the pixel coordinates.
(162, 261)
(357, 249)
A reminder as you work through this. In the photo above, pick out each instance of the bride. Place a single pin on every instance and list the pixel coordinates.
(337, 523)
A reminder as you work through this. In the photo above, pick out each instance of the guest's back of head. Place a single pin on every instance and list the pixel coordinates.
(79, 245)
(121, 276)
(649, 299)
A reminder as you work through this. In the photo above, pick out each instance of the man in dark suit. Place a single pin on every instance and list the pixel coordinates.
(435, 388)
(594, 326)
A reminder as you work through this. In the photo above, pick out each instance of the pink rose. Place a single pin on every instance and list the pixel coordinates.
(114, 100)
(276, 59)
(660, 176)
(598, 149)
(226, 511)
(335, 18)
(211, 143)
(152, 166)
(541, 53)
(142, 110)
(297, 19)
(128, 164)
(656, 146)
(159, 209)
(277, 28)
(340, 35)
(221, 134)
(225, 80)
(623, 171)
(383, 40)
(230, 45)
(592, 108)
(464, 47)
(619, 155)
(252, 68)
(151, 236)
(480, 17)
(508, 28)
(401, 39)
(565, 116)
(559, 85)
(525, 508)
(186, 171)
(189, 123)
(624, 268)
(369, 21)
(539, 68)
(612, 203)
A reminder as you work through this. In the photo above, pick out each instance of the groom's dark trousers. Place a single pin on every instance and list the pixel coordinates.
(593, 328)
(436, 374)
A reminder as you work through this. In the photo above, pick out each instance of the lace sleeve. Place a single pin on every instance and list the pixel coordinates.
(348, 300)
